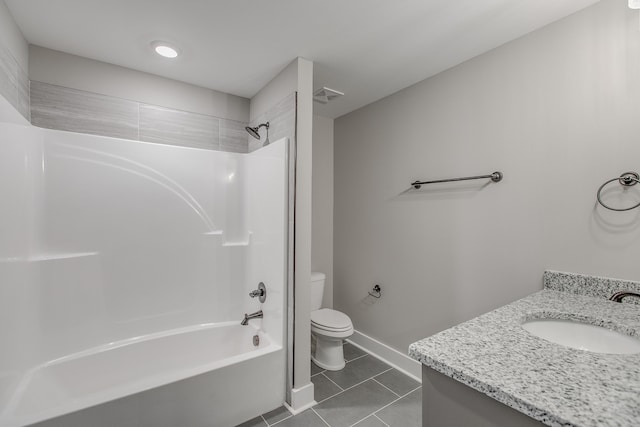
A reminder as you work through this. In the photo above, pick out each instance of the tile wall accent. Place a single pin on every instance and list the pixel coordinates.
(166, 126)
(14, 82)
(282, 122)
(233, 136)
(61, 108)
(594, 286)
(56, 107)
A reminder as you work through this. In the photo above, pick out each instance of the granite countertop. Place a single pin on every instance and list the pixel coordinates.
(557, 385)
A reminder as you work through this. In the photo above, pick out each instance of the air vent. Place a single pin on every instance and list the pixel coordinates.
(324, 95)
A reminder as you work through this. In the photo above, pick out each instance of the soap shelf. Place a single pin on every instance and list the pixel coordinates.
(239, 243)
(230, 243)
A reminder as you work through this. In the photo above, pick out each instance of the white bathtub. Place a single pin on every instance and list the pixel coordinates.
(107, 246)
(198, 376)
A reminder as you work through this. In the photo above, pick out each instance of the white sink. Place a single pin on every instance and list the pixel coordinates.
(583, 336)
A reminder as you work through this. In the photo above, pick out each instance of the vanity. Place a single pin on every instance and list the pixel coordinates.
(564, 356)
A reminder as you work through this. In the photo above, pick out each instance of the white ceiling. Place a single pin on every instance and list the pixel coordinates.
(365, 48)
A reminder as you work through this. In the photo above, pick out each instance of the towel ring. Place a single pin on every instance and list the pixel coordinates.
(627, 179)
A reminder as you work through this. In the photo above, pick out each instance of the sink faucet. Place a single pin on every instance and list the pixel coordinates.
(618, 296)
(256, 315)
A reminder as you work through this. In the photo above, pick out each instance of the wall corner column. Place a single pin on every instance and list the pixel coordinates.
(302, 393)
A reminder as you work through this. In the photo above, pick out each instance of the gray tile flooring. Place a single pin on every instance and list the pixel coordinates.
(366, 393)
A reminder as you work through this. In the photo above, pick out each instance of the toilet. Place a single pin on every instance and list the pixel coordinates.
(328, 329)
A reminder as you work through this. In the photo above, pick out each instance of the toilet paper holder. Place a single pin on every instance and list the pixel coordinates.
(377, 291)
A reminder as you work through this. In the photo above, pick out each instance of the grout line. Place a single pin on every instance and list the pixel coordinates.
(359, 421)
(385, 387)
(408, 393)
(279, 421)
(367, 417)
(355, 385)
(359, 357)
(317, 373)
(381, 420)
(387, 405)
(332, 381)
(323, 420)
(264, 419)
(375, 412)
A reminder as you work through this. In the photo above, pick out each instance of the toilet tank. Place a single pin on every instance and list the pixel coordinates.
(317, 290)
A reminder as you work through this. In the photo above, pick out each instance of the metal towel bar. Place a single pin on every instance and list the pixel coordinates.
(495, 177)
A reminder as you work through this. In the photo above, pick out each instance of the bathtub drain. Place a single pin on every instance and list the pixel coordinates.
(256, 340)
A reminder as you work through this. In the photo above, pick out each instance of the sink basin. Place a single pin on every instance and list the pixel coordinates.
(583, 336)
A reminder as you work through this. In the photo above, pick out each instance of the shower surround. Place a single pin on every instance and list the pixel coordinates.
(125, 270)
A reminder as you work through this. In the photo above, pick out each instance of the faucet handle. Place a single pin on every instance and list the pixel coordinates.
(261, 292)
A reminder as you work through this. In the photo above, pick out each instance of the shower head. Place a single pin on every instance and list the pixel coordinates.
(255, 132)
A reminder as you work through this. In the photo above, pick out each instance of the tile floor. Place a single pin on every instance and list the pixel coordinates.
(366, 393)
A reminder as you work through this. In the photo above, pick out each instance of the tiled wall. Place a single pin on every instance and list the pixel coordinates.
(282, 122)
(14, 82)
(61, 108)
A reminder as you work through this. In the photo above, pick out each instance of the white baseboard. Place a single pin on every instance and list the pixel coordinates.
(389, 355)
(301, 399)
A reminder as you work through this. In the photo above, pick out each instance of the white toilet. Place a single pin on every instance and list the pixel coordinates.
(328, 329)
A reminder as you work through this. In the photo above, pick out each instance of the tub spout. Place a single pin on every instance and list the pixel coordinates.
(256, 315)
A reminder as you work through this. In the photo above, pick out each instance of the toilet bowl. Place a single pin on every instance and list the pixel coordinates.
(328, 329)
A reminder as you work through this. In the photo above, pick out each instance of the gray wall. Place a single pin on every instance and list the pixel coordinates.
(322, 204)
(285, 82)
(12, 38)
(14, 64)
(75, 72)
(557, 111)
(282, 124)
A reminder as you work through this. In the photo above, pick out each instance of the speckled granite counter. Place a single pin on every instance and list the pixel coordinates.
(557, 385)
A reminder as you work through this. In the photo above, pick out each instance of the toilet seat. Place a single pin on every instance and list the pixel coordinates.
(330, 320)
(331, 323)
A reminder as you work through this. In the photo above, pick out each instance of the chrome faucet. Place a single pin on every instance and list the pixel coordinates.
(256, 293)
(261, 292)
(618, 296)
(256, 315)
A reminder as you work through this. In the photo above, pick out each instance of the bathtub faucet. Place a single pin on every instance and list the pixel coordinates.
(256, 315)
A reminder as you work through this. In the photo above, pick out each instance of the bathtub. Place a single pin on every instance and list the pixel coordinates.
(125, 269)
(202, 375)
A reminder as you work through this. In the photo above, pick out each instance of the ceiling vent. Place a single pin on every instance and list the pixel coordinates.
(324, 95)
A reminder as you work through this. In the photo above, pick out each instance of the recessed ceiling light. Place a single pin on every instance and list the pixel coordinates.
(164, 49)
